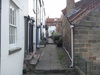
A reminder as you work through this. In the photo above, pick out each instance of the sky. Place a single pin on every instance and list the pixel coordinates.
(53, 7)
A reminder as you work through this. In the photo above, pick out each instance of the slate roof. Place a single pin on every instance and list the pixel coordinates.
(82, 9)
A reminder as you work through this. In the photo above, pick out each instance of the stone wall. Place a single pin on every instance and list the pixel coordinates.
(87, 42)
(87, 36)
(66, 34)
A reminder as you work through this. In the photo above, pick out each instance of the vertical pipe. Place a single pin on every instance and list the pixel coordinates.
(30, 36)
(26, 35)
(36, 23)
(0, 27)
(72, 52)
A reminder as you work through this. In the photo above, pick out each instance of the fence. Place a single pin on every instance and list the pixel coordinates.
(88, 67)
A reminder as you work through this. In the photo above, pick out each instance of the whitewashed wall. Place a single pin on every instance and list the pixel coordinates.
(31, 8)
(38, 16)
(12, 64)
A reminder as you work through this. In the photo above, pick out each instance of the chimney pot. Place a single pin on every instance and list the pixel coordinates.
(70, 6)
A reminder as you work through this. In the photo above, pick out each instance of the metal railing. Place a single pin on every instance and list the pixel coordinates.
(94, 69)
(88, 67)
(82, 64)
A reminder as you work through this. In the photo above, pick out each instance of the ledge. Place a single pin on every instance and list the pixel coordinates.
(12, 51)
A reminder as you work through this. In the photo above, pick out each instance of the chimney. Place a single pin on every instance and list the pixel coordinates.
(70, 6)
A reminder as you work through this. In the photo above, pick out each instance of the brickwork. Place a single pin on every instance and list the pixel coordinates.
(66, 34)
(71, 6)
(53, 22)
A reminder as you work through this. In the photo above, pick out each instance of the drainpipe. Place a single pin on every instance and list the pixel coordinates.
(72, 51)
(36, 23)
(0, 27)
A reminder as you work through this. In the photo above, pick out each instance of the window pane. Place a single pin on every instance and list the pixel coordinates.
(13, 38)
(12, 16)
(9, 39)
(12, 25)
(12, 34)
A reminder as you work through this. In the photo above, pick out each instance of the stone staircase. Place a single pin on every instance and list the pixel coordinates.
(31, 61)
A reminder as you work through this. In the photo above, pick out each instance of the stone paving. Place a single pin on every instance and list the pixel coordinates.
(49, 62)
(49, 59)
(45, 74)
(50, 41)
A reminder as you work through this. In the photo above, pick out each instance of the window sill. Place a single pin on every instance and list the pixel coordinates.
(12, 51)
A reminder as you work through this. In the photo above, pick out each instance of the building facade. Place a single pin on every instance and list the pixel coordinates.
(81, 27)
(12, 36)
(39, 11)
(53, 25)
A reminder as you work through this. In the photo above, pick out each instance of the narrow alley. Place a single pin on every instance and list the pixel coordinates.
(49, 37)
(49, 62)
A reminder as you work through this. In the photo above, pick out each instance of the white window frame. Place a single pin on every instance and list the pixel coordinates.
(13, 25)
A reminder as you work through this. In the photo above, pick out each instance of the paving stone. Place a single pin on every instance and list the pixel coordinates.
(50, 41)
(49, 60)
(44, 74)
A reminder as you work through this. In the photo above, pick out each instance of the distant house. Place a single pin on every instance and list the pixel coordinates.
(53, 25)
(12, 24)
(34, 30)
(39, 10)
(81, 32)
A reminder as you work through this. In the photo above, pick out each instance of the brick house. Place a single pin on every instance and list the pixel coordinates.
(81, 29)
(53, 25)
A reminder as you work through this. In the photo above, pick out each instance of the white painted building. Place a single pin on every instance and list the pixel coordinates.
(12, 36)
(32, 14)
(38, 8)
(43, 15)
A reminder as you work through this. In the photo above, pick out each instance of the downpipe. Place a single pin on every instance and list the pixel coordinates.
(72, 51)
(71, 57)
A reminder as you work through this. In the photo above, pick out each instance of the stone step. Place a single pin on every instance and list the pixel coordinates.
(50, 71)
(50, 43)
(28, 57)
(35, 59)
(44, 74)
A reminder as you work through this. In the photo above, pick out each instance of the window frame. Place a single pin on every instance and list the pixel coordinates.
(13, 24)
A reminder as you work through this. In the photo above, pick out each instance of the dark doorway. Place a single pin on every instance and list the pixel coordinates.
(28, 35)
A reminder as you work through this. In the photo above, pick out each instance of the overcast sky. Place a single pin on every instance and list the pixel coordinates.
(53, 7)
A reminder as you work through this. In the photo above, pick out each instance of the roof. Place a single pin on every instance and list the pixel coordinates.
(82, 9)
(52, 21)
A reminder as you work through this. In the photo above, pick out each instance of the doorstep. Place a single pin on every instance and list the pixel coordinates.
(35, 59)
(28, 57)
